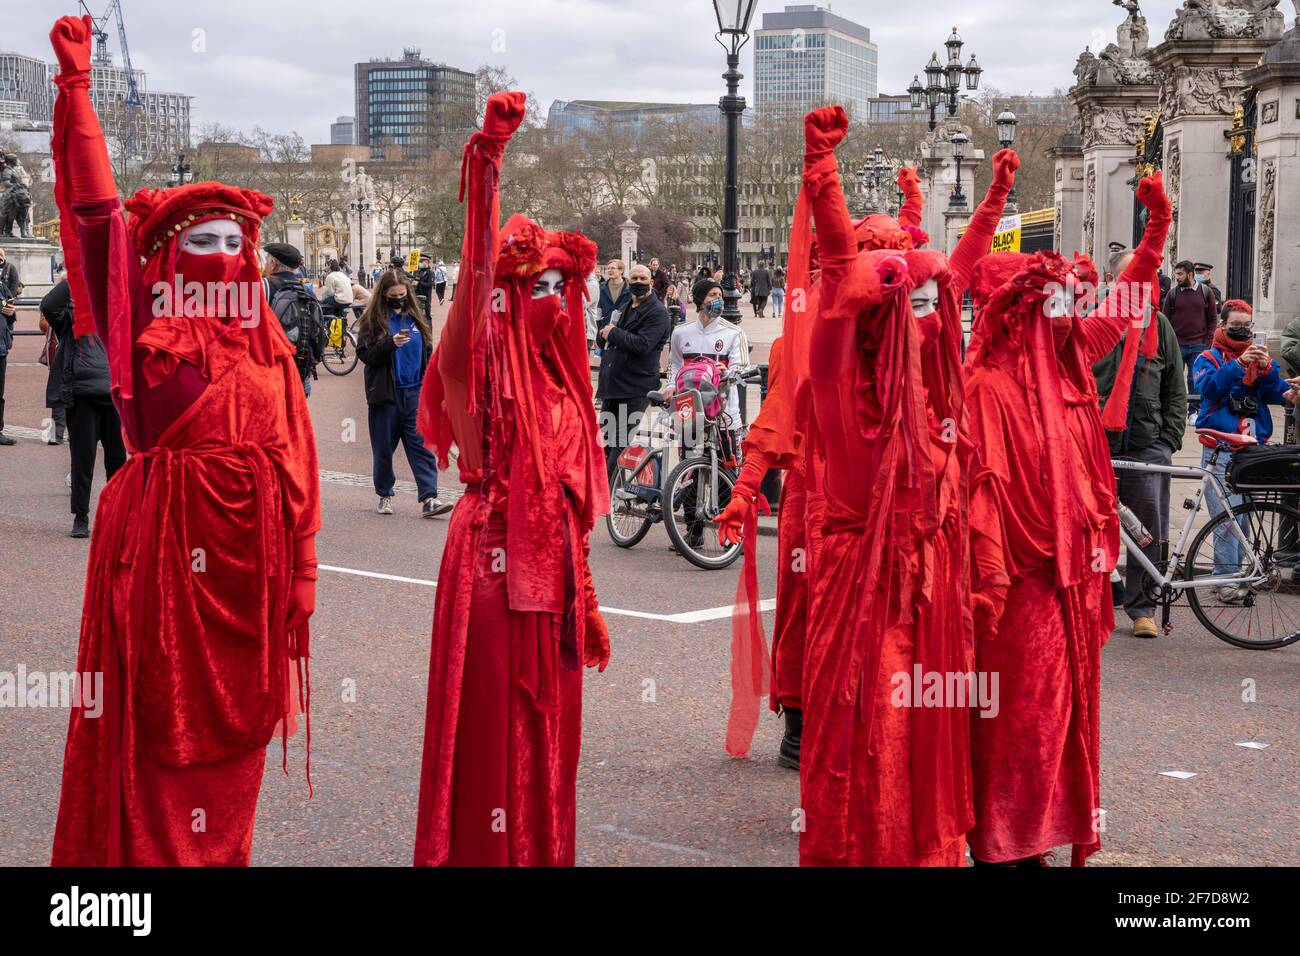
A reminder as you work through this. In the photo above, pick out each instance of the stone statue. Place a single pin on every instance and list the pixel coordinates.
(1226, 20)
(1085, 70)
(15, 199)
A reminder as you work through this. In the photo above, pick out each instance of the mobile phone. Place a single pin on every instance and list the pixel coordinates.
(1261, 339)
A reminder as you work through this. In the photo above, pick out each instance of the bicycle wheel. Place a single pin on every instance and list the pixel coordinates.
(1263, 614)
(694, 506)
(342, 358)
(629, 517)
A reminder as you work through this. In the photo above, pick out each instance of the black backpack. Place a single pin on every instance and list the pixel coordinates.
(303, 323)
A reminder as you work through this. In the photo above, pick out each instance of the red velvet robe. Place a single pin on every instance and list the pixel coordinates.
(1044, 530)
(515, 606)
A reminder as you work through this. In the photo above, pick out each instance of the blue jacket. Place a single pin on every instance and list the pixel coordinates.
(1217, 377)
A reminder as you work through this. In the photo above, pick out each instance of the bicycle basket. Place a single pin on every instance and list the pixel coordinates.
(1265, 468)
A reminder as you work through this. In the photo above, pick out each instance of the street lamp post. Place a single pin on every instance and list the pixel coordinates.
(871, 178)
(960, 144)
(943, 81)
(1006, 124)
(733, 33)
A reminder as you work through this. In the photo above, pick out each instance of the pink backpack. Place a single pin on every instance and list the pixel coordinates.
(704, 375)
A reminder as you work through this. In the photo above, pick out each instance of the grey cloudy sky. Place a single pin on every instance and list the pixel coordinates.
(287, 64)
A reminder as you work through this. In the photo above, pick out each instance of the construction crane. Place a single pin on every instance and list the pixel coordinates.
(104, 58)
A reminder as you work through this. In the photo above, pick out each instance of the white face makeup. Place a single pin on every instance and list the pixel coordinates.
(1060, 304)
(925, 299)
(550, 282)
(213, 236)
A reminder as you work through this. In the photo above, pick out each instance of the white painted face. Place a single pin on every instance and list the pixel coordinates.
(550, 282)
(213, 236)
(1060, 304)
(925, 299)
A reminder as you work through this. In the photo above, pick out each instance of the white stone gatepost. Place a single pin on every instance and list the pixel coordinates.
(1067, 226)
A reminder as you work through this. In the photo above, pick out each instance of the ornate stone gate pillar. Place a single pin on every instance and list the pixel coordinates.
(1208, 47)
(1067, 228)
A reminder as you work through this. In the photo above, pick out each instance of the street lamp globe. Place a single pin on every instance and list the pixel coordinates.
(960, 145)
(973, 71)
(1006, 123)
(916, 91)
(954, 45)
(734, 15)
(934, 73)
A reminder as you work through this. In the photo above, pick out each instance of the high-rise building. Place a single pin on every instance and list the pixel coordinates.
(158, 128)
(343, 131)
(28, 79)
(806, 56)
(411, 102)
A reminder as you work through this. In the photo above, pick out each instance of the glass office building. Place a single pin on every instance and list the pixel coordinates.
(806, 56)
(411, 101)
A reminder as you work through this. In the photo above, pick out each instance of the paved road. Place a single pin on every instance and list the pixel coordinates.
(655, 786)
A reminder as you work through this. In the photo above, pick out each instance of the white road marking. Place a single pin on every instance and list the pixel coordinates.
(649, 841)
(683, 617)
(1251, 744)
(1177, 774)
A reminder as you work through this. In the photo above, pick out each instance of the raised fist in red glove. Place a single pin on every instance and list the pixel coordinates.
(595, 641)
(824, 129)
(908, 180)
(1005, 164)
(1151, 193)
(505, 111)
(71, 41)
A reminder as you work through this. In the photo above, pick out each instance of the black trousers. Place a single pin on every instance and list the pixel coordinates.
(4, 360)
(441, 289)
(619, 418)
(92, 423)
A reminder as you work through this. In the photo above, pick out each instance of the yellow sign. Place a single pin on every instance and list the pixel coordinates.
(1007, 237)
(413, 260)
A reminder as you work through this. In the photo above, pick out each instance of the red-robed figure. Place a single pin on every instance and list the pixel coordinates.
(515, 617)
(1044, 534)
(201, 576)
(885, 778)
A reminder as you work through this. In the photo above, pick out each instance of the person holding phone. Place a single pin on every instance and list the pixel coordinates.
(394, 342)
(1238, 380)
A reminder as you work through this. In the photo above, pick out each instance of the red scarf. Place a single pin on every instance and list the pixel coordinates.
(1234, 348)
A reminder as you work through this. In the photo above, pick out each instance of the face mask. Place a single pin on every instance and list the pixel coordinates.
(639, 289)
(1239, 334)
(542, 316)
(394, 302)
(714, 308)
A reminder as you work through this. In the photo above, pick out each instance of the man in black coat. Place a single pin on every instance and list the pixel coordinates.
(629, 367)
(84, 389)
(760, 287)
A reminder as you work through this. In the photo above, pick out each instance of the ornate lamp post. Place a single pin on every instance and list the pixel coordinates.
(1006, 124)
(872, 176)
(733, 33)
(960, 146)
(943, 82)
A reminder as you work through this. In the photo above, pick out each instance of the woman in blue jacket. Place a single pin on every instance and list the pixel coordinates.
(1238, 381)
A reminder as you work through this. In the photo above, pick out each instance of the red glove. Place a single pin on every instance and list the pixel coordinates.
(988, 606)
(1151, 193)
(909, 180)
(1005, 164)
(731, 522)
(595, 642)
(302, 591)
(505, 111)
(824, 128)
(71, 41)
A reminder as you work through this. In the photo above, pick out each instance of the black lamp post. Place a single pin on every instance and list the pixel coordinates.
(872, 176)
(960, 144)
(733, 33)
(1006, 124)
(943, 81)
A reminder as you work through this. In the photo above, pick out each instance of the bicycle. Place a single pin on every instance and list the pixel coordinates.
(697, 490)
(1262, 586)
(340, 356)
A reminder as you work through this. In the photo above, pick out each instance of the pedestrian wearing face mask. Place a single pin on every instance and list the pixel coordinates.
(1153, 433)
(394, 342)
(1191, 310)
(1237, 379)
(632, 340)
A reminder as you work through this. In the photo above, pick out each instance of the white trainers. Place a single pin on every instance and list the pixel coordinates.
(432, 507)
(385, 506)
